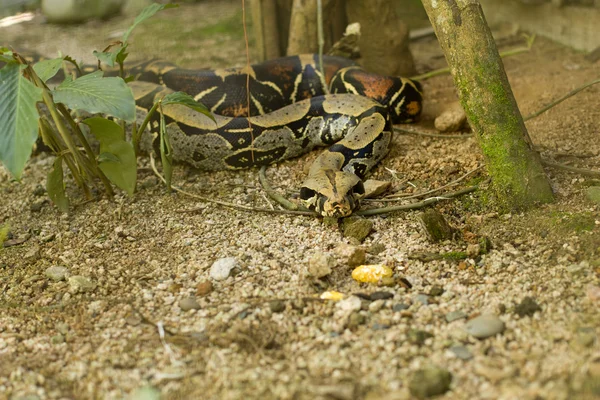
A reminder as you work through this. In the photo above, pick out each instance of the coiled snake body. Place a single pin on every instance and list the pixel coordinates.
(290, 115)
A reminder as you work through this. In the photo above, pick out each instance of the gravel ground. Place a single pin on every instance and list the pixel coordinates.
(120, 299)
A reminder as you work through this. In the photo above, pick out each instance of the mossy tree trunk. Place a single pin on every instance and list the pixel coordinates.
(518, 178)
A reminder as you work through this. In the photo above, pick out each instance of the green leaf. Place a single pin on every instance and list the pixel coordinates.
(106, 57)
(95, 94)
(166, 152)
(46, 69)
(18, 118)
(117, 160)
(6, 57)
(188, 101)
(117, 55)
(55, 186)
(145, 14)
(122, 54)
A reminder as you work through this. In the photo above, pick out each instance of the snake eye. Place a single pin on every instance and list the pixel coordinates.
(359, 188)
(306, 193)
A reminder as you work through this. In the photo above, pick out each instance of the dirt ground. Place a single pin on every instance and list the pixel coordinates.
(115, 327)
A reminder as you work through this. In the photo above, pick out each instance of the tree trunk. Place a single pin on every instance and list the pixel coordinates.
(264, 21)
(383, 42)
(518, 179)
(303, 27)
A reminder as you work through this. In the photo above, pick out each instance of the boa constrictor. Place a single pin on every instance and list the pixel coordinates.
(290, 115)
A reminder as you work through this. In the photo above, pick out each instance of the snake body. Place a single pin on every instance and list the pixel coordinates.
(290, 115)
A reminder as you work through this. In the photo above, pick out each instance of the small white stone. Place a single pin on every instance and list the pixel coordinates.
(349, 304)
(221, 268)
(320, 265)
(56, 272)
(80, 284)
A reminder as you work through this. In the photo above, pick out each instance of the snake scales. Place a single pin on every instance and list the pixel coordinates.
(290, 115)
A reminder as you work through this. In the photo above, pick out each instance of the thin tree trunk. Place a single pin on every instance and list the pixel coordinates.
(384, 39)
(264, 21)
(518, 178)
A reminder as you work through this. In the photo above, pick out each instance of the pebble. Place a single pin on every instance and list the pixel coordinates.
(357, 227)
(349, 304)
(57, 339)
(204, 288)
(277, 306)
(593, 194)
(429, 382)
(527, 307)
(484, 326)
(145, 393)
(379, 327)
(451, 119)
(320, 265)
(355, 320)
(461, 352)
(400, 307)
(586, 336)
(376, 306)
(39, 190)
(380, 295)
(418, 337)
(80, 284)
(376, 248)
(36, 206)
(33, 254)
(56, 272)
(221, 268)
(189, 303)
(455, 315)
(372, 273)
(436, 290)
(374, 187)
(473, 250)
(593, 292)
(351, 255)
(422, 298)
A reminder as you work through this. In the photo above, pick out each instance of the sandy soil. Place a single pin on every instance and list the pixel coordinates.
(262, 333)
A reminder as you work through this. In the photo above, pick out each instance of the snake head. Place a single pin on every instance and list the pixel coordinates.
(332, 193)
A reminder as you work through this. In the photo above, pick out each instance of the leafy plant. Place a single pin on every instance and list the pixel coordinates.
(28, 108)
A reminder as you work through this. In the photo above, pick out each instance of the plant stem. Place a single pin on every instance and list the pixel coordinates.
(95, 170)
(137, 134)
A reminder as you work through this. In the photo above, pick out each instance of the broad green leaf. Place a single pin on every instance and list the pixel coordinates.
(117, 158)
(55, 186)
(18, 118)
(188, 101)
(166, 152)
(145, 14)
(46, 69)
(95, 94)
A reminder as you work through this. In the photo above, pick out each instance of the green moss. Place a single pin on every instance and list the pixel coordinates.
(3, 235)
(572, 222)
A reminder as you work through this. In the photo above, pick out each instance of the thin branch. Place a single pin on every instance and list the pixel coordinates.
(285, 203)
(406, 196)
(503, 54)
(414, 206)
(560, 100)
(416, 131)
(223, 203)
(575, 170)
